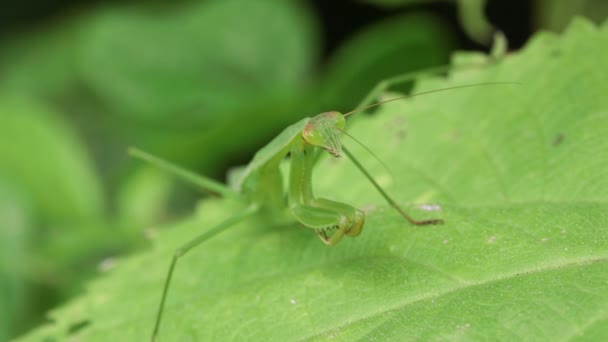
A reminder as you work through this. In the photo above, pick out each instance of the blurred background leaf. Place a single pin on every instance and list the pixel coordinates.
(471, 14)
(555, 14)
(418, 40)
(15, 220)
(62, 181)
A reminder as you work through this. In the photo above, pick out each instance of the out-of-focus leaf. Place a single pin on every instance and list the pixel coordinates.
(398, 45)
(41, 61)
(555, 15)
(178, 79)
(186, 78)
(517, 172)
(397, 3)
(500, 46)
(471, 14)
(15, 222)
(196, 61)
(474, 21)
(42, 154)
(143, 198)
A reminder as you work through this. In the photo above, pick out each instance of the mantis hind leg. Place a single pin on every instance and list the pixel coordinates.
(330, 220)
(181, 251)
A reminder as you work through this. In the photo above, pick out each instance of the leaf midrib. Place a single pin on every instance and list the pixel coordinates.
(578, 262)
(459, 286)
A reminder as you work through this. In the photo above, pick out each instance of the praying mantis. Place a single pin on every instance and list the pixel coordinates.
(261, 186)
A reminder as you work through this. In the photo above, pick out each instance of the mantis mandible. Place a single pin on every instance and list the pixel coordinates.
(261, 184)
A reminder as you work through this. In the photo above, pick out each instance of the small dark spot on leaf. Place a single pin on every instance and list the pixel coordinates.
(76, 327)
(397, 125)
(556, 53)
(558, 140)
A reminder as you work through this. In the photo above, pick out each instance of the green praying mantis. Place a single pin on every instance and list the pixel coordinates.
(261, 186)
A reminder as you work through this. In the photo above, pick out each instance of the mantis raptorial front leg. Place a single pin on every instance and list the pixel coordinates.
(322, 215)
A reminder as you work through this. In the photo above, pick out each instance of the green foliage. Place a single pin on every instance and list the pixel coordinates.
(516, 171)
(191, 62)
(474, 21)
(555, 15)
(418, 40)
(142, 199)
(172, 78)
(15, 222)
(393, 3)
(58, 186)
(471, 14)
(68, 172)
(552, 15)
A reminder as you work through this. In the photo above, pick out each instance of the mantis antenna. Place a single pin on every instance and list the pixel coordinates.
(426, 92)
(406, 97)
(366, 148)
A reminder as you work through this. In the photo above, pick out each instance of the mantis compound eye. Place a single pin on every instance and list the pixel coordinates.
(324, 131)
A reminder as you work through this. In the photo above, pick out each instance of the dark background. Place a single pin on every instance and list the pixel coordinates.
(339, 19)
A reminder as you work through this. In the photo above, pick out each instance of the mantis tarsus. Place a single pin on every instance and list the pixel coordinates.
(262, 188)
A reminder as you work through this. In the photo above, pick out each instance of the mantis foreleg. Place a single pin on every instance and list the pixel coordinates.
(322, 215)
(386, 196)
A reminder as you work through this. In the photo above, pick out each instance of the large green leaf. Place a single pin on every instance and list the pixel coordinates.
(518, 174)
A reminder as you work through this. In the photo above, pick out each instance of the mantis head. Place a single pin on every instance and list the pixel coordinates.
(324, 131)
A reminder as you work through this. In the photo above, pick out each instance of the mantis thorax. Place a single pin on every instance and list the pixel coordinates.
(324, 130)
